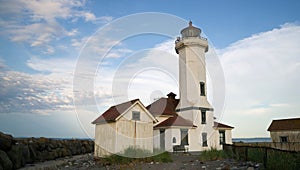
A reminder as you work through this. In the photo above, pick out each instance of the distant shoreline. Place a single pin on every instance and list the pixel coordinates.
(24, 137)
(252, 140)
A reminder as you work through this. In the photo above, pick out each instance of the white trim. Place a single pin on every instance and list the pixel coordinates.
(175, 127)
(142, 106)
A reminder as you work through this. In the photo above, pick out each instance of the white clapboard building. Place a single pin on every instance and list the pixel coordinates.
(185, 124)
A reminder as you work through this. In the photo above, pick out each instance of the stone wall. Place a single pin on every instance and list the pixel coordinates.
(15, 153)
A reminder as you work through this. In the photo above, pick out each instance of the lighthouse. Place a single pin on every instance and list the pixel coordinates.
(185, 124)
(191, 48)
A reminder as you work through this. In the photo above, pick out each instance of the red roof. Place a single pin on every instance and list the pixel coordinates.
(113, 112)
(285, 124)
(221, 125)
(175, 121)
(163, 106)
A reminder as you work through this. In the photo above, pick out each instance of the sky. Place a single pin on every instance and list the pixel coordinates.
(65, 62)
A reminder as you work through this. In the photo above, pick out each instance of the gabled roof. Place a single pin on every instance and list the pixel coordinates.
(285, 124)
(175, 121)
(163, 107)
(221, 125)
(114, 112)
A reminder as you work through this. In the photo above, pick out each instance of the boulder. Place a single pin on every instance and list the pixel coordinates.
(26, 154)
(5, 162)
(32, 151)
(15, 155)
(6, 141)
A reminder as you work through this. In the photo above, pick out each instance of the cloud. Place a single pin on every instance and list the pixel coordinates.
(38, 22)
(52, 87)
(90, 17)
(23, 93)
(52, 65)
(263, 70)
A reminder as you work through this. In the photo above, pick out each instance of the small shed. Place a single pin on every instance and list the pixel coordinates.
(122, 126)
(223, 133)
(285, 130)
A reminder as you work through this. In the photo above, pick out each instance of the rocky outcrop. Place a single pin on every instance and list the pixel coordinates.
(6, 141)
(15, 153)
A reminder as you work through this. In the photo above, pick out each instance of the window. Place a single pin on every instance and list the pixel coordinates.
(202, 89)
(204, 139)
(203, 117)
(174, 140)
(283, 139)
(222, 136)
(184, 137)
(135, 115)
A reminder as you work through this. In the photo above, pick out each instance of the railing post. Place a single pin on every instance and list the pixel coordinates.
(246, 153)
(265, 157)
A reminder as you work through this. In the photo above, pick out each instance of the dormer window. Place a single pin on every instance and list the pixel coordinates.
(202, 88)
(136, 115)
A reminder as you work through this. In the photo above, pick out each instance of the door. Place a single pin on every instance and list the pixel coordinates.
(184, 137)
(222, 137)
(162, 139)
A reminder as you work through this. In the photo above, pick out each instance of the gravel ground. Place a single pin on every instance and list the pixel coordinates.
(181, 161)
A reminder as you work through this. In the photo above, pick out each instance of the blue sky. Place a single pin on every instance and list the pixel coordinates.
(43, 42)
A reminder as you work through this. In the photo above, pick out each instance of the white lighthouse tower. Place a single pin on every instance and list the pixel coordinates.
(193, 105)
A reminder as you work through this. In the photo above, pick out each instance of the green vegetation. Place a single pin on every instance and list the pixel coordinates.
(133, 155)
(213, 154)
(283, 160)
(272, 159)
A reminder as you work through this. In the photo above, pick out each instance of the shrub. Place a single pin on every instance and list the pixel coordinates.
(212, 154)
(132, 154)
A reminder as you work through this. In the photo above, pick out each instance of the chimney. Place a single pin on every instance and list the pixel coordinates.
(171, 96)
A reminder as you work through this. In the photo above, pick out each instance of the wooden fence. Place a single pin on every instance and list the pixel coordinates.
(288, 146)
(270, 157)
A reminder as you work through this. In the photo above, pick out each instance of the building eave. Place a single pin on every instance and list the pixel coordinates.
(175, 127)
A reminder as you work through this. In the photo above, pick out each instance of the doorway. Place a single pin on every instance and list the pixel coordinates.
(162, 139)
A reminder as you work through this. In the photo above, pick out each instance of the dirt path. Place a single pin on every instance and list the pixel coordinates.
(181, 161)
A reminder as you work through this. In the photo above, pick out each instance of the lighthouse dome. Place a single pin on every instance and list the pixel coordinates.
(190, 31)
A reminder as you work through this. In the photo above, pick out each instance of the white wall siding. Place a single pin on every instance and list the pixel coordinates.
(134, 134)
(105, 138)
(125, 132)
(293, 136)
(144, 117)
(156, 139)
(228, 136)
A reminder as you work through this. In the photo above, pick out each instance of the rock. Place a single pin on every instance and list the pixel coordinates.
(257, 165)
(43, 140)
(225, 166)
(5, 162)
(15, 155)
(6, 141)
(32, 151)
(250, 168)
(26, 154)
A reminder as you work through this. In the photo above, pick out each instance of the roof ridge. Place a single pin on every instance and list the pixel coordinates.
(131, 101)
(286, 119)
(114, 111)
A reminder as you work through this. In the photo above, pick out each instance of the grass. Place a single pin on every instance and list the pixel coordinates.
(134, 155)
(283, 160)
(272, 159)
(212, 155)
